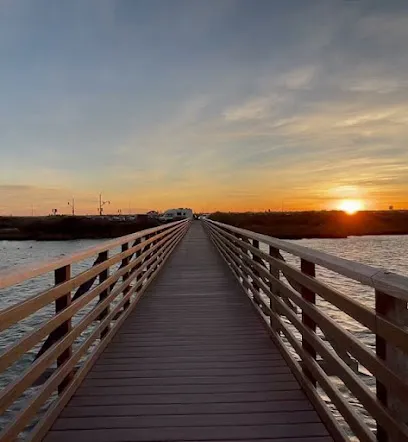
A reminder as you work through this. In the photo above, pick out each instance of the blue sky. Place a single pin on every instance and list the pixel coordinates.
(214, 104)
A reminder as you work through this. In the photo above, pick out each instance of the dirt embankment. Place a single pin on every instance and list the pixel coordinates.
(333, 224)
(71, 227)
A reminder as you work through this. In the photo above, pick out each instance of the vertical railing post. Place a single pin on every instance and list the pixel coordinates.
(395, 311)
(136, 255)
(255, 258)
(103, 276)
(156, 253)
(61, 275)
(309, 269)
(237, 245)
(148, 247)
(274, 253)
(246, 252)
(381, 307)
(140, 265)
(125, 262)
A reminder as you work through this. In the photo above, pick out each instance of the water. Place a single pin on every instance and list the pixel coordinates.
(380, 251)
(17, 253)
(388, 252)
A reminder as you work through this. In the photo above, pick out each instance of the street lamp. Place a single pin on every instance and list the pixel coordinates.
(101, 204)
(72, 204)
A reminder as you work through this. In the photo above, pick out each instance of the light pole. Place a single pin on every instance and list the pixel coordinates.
(72, 204)
(101, 204)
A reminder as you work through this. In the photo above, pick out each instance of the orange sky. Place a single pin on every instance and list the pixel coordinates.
(212, 105)
(88, 204)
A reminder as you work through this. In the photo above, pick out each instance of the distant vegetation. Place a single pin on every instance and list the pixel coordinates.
(331, 224)
(71, 227)
(285, 225)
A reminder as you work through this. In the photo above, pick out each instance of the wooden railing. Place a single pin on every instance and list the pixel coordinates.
(293, 303)
(62, 348)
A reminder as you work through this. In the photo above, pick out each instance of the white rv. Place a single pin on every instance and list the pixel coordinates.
(174, 214)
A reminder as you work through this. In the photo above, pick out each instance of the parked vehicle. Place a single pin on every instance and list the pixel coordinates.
(176, 214)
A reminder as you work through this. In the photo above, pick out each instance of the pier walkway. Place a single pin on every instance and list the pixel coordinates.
(193, 362)
(201, 331)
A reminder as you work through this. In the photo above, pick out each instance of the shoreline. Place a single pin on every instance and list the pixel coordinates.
(318, 225)
(282, 225)
(69, 228)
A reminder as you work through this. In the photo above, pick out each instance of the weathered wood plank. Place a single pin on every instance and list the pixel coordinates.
(130, 390)
(230, 369)
(123, 370)
(196, 420)
(189, 380)
(244, 432)
(188, 398)
(187, 409)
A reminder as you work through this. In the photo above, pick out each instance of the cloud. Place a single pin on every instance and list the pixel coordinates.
(364, 119)
(254, 109)
(15, 187)
(385, 27)
(202, 101)
(378, 85)
(299, 78)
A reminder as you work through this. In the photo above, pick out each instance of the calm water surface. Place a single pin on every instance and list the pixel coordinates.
(389, 252)
(381, 251)
(21, 253)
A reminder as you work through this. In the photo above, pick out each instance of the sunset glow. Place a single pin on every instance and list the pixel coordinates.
(212, 104)
(351, 206)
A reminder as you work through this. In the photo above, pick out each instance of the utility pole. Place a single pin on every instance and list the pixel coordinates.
(101, 204)
(72, 204)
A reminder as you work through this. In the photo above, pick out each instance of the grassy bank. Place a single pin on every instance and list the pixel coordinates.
(333, 224)
(71, 227)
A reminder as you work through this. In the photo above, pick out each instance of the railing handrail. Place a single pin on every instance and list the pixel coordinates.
(292, 303)
(18, 274)
(89, 309)
(381, 279)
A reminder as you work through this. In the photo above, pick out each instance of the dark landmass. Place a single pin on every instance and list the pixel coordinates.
(333, 224)
(53, 228)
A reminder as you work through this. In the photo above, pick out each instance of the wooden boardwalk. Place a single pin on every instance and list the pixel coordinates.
(191, 363)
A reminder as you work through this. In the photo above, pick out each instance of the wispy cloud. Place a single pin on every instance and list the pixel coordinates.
(209, 104)
(255, 109)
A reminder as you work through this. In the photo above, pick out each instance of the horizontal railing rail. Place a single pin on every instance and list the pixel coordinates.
(293, 304)
(62, 346)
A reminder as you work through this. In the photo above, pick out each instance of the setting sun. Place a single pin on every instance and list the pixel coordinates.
(351, 206)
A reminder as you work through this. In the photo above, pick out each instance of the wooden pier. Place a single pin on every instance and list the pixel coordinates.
(186, 351)
(192, 362)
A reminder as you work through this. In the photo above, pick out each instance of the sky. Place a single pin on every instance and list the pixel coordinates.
(228, 105)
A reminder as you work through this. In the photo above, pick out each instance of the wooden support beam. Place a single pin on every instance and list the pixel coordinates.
(308, 268)
(394, 310)
(103, 277)
(61, 275)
